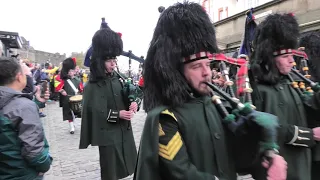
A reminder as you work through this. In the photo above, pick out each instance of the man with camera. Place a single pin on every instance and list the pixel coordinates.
(24, 148)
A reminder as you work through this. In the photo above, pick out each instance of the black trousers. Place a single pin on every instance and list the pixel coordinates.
(315, 175)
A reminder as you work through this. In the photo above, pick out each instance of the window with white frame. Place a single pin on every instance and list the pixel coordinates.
(220, 14)
(251, 3)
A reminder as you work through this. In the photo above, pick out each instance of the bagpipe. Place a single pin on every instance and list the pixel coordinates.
(243, 113)
(259, 130)
(300, 76)
(131, 92)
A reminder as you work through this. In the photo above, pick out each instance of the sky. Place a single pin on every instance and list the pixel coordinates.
(67, 26)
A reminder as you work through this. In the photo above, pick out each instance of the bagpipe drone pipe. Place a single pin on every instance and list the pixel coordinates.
(256, 127)
(130, 89)
(131, 93)
(300, 76)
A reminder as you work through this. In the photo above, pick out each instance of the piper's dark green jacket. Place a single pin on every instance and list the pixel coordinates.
(102, 126)
(189, 142)
(295, 138)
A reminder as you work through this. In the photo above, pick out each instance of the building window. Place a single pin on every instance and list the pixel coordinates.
(256, 3)
(227, 15)
(220, 13)
(250, 5)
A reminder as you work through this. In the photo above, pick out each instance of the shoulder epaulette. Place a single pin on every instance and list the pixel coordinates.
(167, 112)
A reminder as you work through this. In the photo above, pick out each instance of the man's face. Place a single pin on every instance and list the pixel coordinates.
(26, 70)
(197, 73)
(284, 63)
(71, 72)
(110, 64)
(21, 77)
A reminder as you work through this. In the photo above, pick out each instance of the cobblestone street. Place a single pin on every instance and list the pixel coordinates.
(69, 161)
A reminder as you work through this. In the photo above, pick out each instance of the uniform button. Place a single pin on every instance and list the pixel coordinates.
(116, 94)
(217, 135)
(281, 88)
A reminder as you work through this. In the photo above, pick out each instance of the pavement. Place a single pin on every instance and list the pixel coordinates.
(69, 161)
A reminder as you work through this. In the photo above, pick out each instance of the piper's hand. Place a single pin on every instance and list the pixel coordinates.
(38, 91)
(218, 79)
(316, 133)
(64, 93)
(278, 168)
(46, 95)
(126, 115)
(219, 82)
(133, 107)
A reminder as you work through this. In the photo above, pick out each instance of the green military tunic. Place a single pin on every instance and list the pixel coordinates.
(295, 139)
(314, 121)
(101, 126)
(188, 142)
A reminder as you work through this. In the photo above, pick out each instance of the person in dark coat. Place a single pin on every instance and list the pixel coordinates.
(36, 74)
(271, 64)
(69, 85)
(311, 43)
(184, 137)
(106, 113)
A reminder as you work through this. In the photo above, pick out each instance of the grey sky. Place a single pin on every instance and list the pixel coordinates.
(67, 26)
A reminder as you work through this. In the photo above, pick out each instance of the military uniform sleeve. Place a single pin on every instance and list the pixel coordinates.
(112, 115)
(293, 135)
(299, 136)
(316, 99)
(34, 144)
(174, 162)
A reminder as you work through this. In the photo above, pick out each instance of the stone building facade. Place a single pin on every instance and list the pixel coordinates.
(37, 56)
(230, 30)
